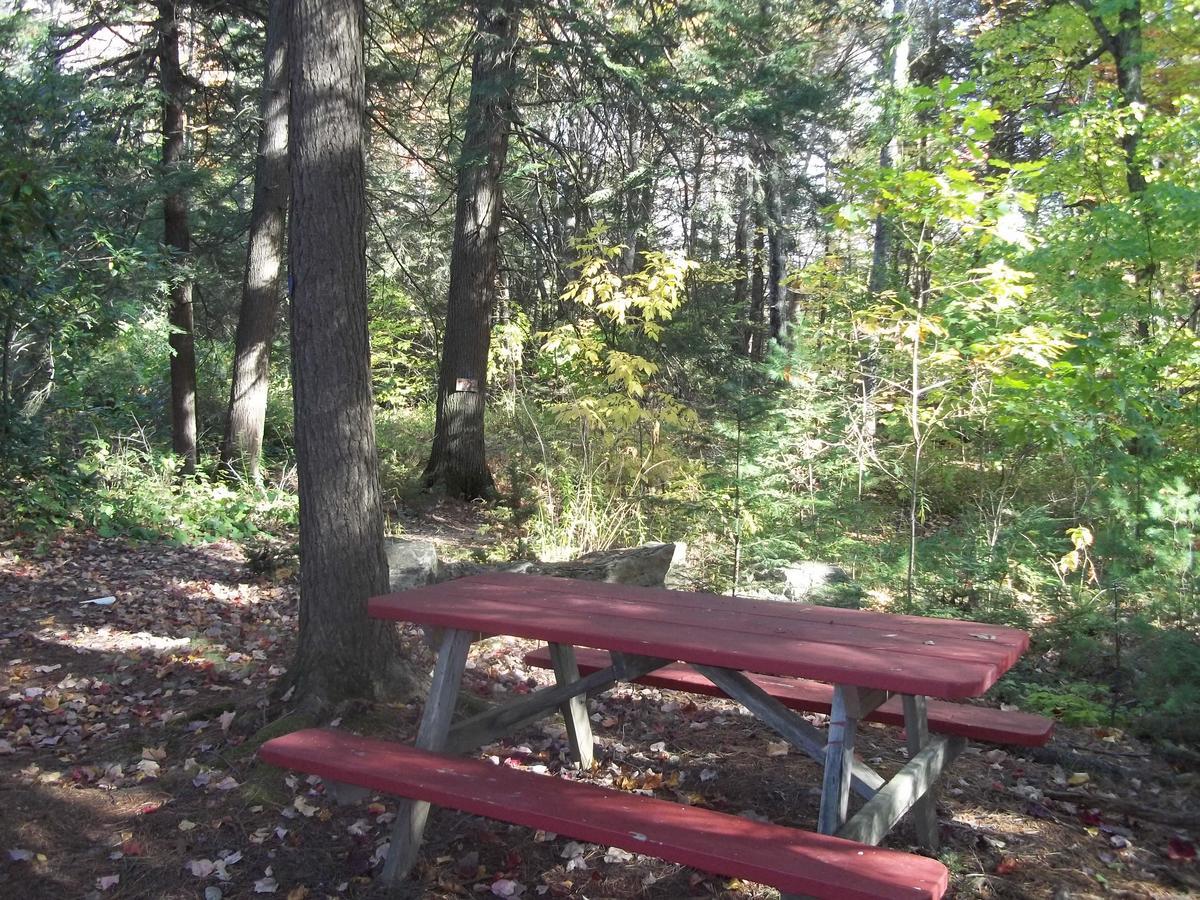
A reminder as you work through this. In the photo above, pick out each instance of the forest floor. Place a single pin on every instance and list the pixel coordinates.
(127, 766)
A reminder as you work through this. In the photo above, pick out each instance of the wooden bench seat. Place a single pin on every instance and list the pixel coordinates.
(789, 859)
(979, 723)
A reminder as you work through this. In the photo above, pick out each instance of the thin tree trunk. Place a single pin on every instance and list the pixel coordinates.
(757, 285)
(1125, 47)
(879, 279)
(776, 304)
(5, 385)
(177, 236)
(341, 652)
(741, 263)
(458, 460)
(263, 281)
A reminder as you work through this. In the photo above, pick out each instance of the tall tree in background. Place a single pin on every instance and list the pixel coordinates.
(178, 237)
(895, 64)
(458, 461)
(341, 652)
(242, 446)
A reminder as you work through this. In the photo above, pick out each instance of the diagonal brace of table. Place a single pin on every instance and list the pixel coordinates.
(864, 781)
(479, 730)
(436, 733)
(912, 788)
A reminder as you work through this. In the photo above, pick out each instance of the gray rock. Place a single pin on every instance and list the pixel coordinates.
(648, 565)
(822, 583)
(410, 563)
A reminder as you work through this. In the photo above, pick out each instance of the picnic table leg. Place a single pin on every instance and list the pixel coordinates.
(924, 811)
(574, 711)
(839, 759)
(435, 725)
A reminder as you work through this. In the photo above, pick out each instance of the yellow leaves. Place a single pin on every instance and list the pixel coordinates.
(1078, 559)
(616, 389)
(647, 781)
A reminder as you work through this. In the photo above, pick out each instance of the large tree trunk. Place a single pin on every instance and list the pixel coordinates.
(263, 280)
(177, 236)
(458, 462)
(341, 652)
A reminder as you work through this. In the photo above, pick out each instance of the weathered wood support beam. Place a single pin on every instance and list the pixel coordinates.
(924, 813)
(839, 759)
(879, 814)
(864, 780)
(574, 711)
(431, 735)
(479, 730)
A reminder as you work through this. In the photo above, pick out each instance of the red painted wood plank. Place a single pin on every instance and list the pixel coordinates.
(980, 723)
(917, 626)
(503, 609)
(803, 624)
(785, 858)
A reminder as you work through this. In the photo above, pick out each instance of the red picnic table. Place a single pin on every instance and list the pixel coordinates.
(867, 657)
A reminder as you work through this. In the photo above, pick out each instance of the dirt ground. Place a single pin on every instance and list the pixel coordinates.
(127, 769)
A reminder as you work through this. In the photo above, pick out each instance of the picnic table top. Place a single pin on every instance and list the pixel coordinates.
(903, 654)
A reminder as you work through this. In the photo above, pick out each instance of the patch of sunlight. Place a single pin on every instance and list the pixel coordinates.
(107, 639)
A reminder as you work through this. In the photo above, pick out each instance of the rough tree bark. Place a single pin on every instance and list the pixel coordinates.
(242, 447)
(177, 236)
(341, 653)
(458, 461)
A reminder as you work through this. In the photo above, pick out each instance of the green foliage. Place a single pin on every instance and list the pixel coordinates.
(1075, 703)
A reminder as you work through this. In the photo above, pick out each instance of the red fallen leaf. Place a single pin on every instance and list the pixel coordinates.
(1090, 817)
(376, 809)
(146, 808)
(133, 848)
(1181, 850)
(1007, 864)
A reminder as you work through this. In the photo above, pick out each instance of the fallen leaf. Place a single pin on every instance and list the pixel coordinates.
(226, 719)
(201, 868)
(778, 748)
(20, 855)
(104, 882)
(266, 885)
(1006, 865)
(303, 807)
(1180, 850)
(1078, 778)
